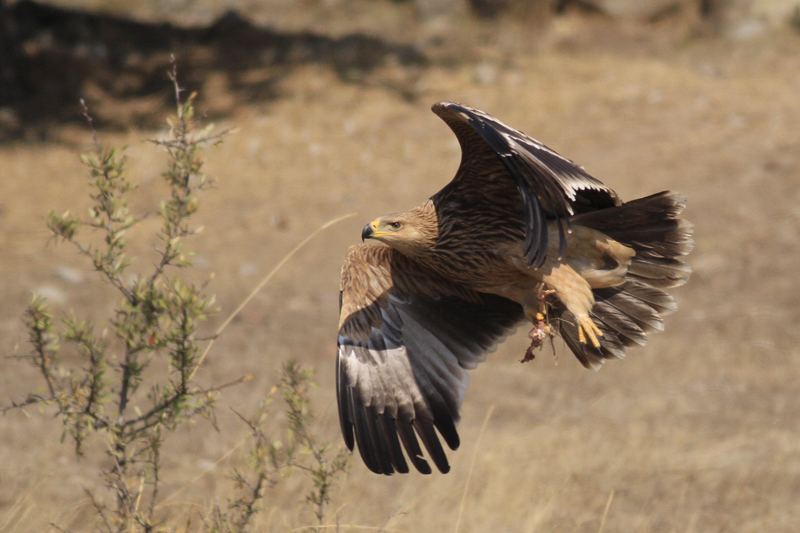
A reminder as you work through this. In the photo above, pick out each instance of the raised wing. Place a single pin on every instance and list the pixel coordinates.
(406, 341)
(550, 186)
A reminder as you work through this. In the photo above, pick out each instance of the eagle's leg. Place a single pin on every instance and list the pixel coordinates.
(542, 299)
(576, 295)
(587, 328)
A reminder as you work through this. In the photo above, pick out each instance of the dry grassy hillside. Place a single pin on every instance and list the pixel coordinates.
(699, 432)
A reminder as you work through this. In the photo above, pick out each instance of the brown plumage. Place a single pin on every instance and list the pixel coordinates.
(519, 233)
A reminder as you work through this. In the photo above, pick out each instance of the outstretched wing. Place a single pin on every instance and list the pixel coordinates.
(406, 341)
(549, 185)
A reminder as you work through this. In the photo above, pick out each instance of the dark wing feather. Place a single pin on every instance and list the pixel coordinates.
(548, 184)
(406, 341)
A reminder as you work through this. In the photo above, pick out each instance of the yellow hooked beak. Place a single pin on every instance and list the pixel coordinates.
(371, 231)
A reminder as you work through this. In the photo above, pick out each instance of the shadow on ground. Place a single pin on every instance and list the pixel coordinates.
(52, 57)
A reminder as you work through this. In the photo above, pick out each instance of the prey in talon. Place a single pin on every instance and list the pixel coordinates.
(541, 331)
(520, 234)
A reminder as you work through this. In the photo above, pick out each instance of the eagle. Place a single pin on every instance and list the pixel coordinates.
(519, 234)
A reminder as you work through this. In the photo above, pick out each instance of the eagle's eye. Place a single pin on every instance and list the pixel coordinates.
(394, 225)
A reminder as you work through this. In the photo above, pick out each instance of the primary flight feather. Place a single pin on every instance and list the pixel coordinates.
(519, 234)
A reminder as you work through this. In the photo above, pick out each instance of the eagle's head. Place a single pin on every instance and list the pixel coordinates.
(410, 233)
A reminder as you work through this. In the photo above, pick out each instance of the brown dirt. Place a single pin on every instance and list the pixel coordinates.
(697, 432)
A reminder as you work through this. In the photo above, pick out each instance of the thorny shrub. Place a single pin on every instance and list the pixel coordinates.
(108, 392)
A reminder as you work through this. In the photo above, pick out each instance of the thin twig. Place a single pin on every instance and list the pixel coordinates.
(264, 282)
(210, 139)
(605, 513)
(543, 512)
(472, 466)
(30, 400)
(11, 512)
(89, 119)
(174, 77)
(389, 519)
(109, 275)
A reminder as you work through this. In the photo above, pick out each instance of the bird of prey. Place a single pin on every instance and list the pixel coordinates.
(519, 234)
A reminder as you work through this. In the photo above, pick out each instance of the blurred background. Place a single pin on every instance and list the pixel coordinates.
(697, 432)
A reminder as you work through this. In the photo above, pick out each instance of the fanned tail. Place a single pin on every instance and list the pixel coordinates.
(627, 313)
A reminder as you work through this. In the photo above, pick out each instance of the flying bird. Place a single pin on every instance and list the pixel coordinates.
(520, 234)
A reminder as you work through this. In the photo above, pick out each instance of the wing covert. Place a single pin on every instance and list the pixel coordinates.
(549, 185)
(406, 340)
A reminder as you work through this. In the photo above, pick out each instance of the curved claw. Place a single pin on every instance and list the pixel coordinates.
(587, 328)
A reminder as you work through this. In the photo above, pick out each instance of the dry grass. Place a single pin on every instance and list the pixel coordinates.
(699, 432)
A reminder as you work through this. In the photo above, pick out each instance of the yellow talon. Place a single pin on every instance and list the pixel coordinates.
(587, 327)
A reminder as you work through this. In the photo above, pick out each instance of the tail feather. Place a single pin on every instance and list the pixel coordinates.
(623, 326)
(660, 301)
(662, 273)
(618, 302)
(648, 225)
(627, 313)
(644, 212)
(589, 356)
(671, 238)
